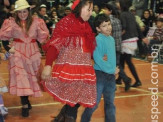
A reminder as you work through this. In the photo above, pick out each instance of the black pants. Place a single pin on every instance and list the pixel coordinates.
(24, 100)
(122, 74)
(128, 59)
(1, 118)
(72, 111)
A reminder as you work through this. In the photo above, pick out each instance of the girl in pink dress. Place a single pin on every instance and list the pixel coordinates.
(25, 58)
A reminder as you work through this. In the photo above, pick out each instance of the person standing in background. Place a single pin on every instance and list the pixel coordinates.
(42, 13)
(130, 33)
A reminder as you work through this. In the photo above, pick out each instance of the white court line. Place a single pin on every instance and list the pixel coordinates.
(55, 103)
(121, 86)
(138, 89)
(116, 97)
(129, 96)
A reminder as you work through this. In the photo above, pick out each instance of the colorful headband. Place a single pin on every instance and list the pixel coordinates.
(76, 2)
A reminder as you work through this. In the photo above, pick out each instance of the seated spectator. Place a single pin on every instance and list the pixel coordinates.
(95, 11)
(155, 34)
(153, 14)
(43, 15)
(67, 11)
(147, 20)
(61, 11)
(54, 17)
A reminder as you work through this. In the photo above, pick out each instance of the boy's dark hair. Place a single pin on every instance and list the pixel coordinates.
(100, 19)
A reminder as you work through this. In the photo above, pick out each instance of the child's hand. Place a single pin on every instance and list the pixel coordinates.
(146, 40)
(105, 58)
(46, 73)
(117, 70)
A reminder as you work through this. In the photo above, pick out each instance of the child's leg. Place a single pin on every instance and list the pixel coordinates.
(1, 101)
(71, 113)
(67, 114)
(3, 110)
(24, 101)
(109, 95)
(25, 109)
(1, 118)
(61, 116)
(87, 114)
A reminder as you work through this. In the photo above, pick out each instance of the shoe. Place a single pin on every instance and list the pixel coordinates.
(25, 112)
(127, 84)
(3, 110)
(69, 119)
(61, 116)
(118, 82)
(136, 84)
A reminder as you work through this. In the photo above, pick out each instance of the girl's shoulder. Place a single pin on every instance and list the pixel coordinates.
(37, 20)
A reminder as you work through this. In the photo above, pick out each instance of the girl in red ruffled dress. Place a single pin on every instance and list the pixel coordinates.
(25, 58)
(73, 80)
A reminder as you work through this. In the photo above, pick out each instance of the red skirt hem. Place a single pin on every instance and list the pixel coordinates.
(66, 102)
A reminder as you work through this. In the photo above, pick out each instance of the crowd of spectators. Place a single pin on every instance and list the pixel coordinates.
(51, 11)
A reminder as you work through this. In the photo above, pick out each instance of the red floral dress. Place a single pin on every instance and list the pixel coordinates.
(73, 77)
(24, 64)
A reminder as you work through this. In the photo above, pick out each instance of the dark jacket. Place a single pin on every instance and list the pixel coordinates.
(130, 26)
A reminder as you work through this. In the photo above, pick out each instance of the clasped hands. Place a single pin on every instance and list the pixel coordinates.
(117, 68)
(46, 73)
(12, 50)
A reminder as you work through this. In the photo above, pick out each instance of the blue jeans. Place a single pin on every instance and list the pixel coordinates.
(106, 86)
(1, 118)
